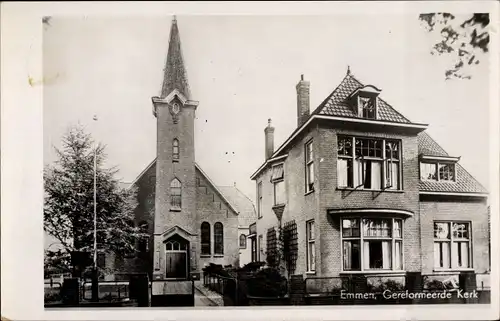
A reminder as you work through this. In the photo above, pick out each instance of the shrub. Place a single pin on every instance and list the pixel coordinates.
(252, 267)
(435, 285)
(267, 282)
(391, 285)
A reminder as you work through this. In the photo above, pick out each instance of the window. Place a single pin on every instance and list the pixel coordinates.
(144, 242)
(372, 244)
(261, 247)
(259, 200)
(175, 150)
(437, 171)
(243, 241)
(309, 167)
(175, 193)
(452, 245)
(368, 163)
(277, 178)
(367, 107)
(205, 238)
(218, 238)
(311, 249)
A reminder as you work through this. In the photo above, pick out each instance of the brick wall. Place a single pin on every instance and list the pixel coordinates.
(299, 207)
(331, 197)
(475, 212)
(211, 208)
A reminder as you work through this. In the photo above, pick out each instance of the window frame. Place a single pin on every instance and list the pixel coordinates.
(451, 241)
(175, 150)
(275, 182)
(310, 257)
(205, 240)
(259, 200)
(173, 205)
(309, 162)
(384, 160)
(260, 248)
(362, 108)
(362, 238)
(438, 173)
(243, 237)
(218, 229)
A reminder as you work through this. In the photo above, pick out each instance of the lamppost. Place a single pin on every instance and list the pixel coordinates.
(95, 284)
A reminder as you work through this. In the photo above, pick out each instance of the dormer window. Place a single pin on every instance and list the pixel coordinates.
(364, 101)
(366, 107)
(437, 171)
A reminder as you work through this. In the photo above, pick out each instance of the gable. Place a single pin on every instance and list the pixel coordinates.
(202, 180)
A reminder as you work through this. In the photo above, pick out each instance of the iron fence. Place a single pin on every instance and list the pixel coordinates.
(108, 290)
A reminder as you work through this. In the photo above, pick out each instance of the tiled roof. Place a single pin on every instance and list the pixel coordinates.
(242, 203)
(465, 182)
(428, 146)
(337, 105)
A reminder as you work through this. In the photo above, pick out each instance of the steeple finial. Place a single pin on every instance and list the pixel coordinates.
(269, 122)
(348, 69)
(175, 75)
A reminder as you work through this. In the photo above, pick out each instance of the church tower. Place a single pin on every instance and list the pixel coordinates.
(175, 220)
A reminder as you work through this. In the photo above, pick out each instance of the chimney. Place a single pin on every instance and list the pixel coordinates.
(302, 101)
(269, 133)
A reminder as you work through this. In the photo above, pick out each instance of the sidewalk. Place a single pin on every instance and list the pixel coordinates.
(203, 295)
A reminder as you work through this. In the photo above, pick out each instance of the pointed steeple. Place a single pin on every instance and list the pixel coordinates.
(175, 75)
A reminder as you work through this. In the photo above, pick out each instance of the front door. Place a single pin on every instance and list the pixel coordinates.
(176, 265)
(176, 258)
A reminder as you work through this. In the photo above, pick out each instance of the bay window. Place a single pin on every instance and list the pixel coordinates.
(452, 248)
(372, 244)
(368, 163)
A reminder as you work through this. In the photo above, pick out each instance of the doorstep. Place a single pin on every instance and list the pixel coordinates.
(209, 294)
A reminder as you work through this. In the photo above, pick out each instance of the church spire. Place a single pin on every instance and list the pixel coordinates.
(175, 75)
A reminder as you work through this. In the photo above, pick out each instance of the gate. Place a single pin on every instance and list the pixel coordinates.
(172, 293)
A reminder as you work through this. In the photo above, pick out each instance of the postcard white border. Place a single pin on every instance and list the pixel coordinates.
(21, 155)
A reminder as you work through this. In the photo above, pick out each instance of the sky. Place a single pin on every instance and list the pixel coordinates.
(243, 70)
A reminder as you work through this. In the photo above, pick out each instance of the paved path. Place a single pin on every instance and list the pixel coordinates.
(200, 300)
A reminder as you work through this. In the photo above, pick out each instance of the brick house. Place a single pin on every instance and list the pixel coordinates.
(359, 189)
(191, 221)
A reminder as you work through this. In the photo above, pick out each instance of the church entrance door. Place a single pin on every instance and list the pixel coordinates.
(176, 257)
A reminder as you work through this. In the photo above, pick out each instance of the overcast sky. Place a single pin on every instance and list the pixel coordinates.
(243, 70)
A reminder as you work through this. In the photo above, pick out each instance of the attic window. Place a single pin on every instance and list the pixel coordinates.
(367, 107)
(437, 171)
(364, 101)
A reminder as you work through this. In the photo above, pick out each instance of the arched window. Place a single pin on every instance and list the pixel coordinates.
(218, 238)
(205, 238)
(144, 241)
(175, 193)
(175, 150)
(243, 241)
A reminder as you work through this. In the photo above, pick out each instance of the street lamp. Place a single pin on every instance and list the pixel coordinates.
(95, 284)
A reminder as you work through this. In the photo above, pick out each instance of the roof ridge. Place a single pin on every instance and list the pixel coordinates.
(328, 97)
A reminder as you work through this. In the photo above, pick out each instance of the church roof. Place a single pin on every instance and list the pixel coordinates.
(247, 214)
(175, 74)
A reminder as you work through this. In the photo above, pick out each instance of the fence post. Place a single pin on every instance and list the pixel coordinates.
(467, 281)
(414, 283)
(71, 292)
(297, 289)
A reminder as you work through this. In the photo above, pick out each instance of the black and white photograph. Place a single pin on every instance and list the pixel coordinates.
(253, 161)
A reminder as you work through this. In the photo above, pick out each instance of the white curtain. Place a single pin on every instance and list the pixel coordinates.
(398, 256)
(347, 255)
(386, 255)
(358, 173)
(463, 249)
(342, 172)
(376, 175)
(366, 255)
(392, 175)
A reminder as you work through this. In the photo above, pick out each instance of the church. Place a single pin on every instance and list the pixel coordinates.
(191, 221)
